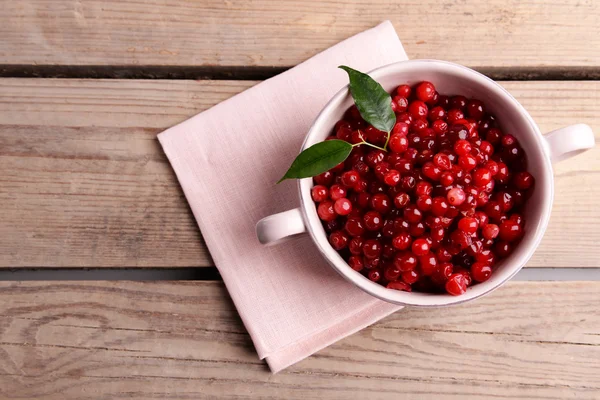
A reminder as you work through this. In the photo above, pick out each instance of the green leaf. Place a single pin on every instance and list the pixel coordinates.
(372, 101)
(318, 158)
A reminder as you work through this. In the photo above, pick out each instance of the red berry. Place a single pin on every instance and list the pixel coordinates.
(456, 284)
(468, 224)
(326, 211)
(417, 229)
(350, 178)
(401, 200)
(425, 91)
(418, 109)
(412, 214)
(356, 263)
(447, 178)
(410, 277)
(381, 202)
(439, 126)
(437, 114)
(523, 180)
(398, 285)
(374, 275)
(391, 273)
(439, 206)
(475, 109)
(423, 188)
(462, 147)
(442, 161)
(481, 272)
(503, 249)
(503, 173)
(325, 179)
(398, 143)
(456, 196)
(355, 245)
(482, 176)
(424, 203)
(454, 115)
(342, 206)
(420, 247)
(319, 193)
(337, 192)
(405, 261)
(403, 91)
(510, 231)
(399, 104)
(392, 177)
(402, 241)
(338, 240)
(400, 128)
(431, 171)
(373, 220)
(467, 162)
(372, 248)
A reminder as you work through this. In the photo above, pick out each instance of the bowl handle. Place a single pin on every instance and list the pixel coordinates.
(569, 141)
(277, 227)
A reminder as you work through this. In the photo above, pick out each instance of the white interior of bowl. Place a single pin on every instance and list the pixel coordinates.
(449, 79)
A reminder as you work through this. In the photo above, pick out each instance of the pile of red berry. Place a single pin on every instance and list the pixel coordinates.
(439, 208)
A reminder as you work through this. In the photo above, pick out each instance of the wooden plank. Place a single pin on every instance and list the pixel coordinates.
(263, 33)
(85, 183)
(99, 340)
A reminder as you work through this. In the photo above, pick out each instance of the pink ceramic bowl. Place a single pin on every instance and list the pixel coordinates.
(541, 150)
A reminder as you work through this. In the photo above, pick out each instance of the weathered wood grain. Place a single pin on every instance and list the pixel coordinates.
(264, 33)
(85, 183)
(117, 340)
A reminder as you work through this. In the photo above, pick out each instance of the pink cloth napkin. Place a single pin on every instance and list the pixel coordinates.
(227, 160)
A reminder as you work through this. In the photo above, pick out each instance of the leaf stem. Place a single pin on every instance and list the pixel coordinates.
(387, 141)
(369, 144)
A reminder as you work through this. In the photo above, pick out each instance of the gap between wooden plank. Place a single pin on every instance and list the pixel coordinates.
(256, 72)
(212, 274)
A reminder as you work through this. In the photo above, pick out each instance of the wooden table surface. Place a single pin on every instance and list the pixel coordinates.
(86, 85)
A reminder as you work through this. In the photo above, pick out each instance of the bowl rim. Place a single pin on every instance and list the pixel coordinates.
(415, 298)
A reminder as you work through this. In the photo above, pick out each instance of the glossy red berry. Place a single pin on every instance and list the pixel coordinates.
(462, 147)
(356, 263)
(342, 206)
(402, 241)
(420, 247)
(326, 211)
(490, 231)
(338, 240)
(381, 202)
(319, 193)
(373, 221)
(456, 284)
(404, 91)
(481, 272)
(399, 285)
(523, 180)
(482, 176)
(467, 162)
(425, 91)
(398, 143)
(418, 109)
(405, 261)
(350, 178)
(355, 245)
(337, 192)
(392, 177)
(468, 224)
(410, 277)
(372, 248)
(510, 231)
(456, 196)
(475, 109)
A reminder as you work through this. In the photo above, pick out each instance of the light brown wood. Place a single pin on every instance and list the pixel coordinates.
(496, 33)
(85, 182)
(117, 340)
